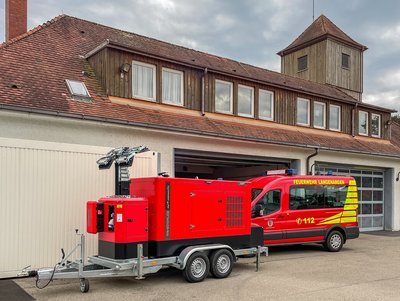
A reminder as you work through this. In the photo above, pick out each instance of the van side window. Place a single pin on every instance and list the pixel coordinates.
(314, 197)
(269, 203)
(255, 192)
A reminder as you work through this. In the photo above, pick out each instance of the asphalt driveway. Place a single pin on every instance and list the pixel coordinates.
(367, 268)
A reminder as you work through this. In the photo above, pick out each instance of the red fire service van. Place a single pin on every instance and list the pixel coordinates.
(305, 209)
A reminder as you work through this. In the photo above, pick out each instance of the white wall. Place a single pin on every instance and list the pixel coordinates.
(48, 172)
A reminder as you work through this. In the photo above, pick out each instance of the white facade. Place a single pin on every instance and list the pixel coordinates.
(48, 171)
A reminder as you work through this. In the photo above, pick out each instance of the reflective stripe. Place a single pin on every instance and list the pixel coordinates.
(348, 219)
(329, 222)
(352, 194)
(350, 206)
(352, 182)
(352, 188)
(349, 213)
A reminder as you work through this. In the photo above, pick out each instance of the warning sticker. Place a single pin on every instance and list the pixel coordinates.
(119, 217)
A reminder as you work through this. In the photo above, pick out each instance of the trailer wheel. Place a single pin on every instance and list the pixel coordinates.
(334, 241)
(197, 268)
(84, 285)
(221, 263)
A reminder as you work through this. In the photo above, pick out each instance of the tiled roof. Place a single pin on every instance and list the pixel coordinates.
(35, 66)
(320, 29)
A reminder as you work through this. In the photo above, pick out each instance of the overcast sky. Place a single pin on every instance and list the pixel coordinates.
(250, 31)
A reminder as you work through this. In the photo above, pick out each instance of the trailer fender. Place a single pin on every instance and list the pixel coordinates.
(185, 254)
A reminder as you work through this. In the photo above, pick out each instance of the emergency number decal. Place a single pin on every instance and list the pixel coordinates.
(306, 220)
(119, 217)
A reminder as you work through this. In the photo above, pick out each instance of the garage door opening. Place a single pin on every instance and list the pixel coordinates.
(211, 165)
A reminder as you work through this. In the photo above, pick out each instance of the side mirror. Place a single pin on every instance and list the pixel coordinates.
(257, 210)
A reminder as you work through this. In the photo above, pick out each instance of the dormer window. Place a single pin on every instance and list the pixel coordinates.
(144, 81)
(77, 89)
(223, 97)
(172, 87)
(375, 125)
(302, 63)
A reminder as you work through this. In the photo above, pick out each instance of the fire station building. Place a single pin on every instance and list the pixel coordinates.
(72, 89)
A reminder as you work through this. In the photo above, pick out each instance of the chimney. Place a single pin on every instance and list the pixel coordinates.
(16, 18)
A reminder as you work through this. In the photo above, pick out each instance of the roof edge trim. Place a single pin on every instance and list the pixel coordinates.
(181, 130)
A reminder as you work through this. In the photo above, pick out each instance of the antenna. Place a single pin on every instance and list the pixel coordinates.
(313, 5)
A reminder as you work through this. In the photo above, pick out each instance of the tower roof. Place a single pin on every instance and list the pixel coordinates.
(322, 28)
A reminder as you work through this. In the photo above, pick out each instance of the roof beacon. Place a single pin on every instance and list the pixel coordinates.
(284, 172)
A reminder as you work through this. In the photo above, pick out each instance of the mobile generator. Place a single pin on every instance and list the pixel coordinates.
(197, 226)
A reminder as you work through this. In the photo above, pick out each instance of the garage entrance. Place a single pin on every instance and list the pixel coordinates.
(212, 165)
(371, 184)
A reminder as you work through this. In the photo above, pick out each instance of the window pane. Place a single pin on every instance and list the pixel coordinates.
(245, 101)
(345, 60)
(362, 123)
(378, 182)
(269, 203)
(143, 81)
(265, 105)
(172, 87)
(366, 182)
(77, 88)
(302, 111)
(366, 209)
(319, 115)
(334, 118)
(376, 125)
(223, 99)
(302, 63)
(366, 195)
(378, 208)
(313, 197)
(378, 196)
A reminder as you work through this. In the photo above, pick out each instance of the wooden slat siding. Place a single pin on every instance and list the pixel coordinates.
(351, 78)
(106, 64)
(316, 62)
(98, 63)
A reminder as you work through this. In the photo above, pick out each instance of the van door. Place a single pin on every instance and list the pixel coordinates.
(267, 213)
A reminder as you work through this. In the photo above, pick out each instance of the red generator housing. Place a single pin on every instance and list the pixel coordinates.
(121, 223)
(185, 212)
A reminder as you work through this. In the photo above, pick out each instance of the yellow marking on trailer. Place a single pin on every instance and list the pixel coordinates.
(153, 262)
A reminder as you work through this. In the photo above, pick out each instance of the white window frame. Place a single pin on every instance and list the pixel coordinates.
(339, 117)
(252, 101)
(231, 96)
(162, 86)
(154, 81)
(308, 111)
(366, 130)
(324, 115)
(272, 104)
(71, 91)
(379, 125)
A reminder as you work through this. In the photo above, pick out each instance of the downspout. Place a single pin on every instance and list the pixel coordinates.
(353, 120)
(308, 171)
(203, 91)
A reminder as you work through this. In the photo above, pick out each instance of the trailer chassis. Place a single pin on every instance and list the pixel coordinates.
(102, 267)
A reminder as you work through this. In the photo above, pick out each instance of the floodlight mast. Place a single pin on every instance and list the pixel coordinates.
(123, 158)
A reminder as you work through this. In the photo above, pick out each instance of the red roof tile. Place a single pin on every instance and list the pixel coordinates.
(320, 29)
(35, 66)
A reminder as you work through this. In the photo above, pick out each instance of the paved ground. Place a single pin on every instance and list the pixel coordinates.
(367, 268)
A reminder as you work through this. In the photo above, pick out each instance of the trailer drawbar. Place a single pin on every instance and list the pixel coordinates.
(198, 226)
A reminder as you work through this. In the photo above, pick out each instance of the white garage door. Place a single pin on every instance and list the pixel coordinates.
(370, 184)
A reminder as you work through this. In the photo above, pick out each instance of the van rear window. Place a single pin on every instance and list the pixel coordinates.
(317, 196)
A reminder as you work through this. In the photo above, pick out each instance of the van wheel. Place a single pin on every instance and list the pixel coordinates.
(221, 263)
(334, 241)
(197, 268)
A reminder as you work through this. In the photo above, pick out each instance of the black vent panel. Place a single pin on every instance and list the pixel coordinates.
(234, 211)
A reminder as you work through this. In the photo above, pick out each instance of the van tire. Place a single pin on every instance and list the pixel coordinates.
(334, 241)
